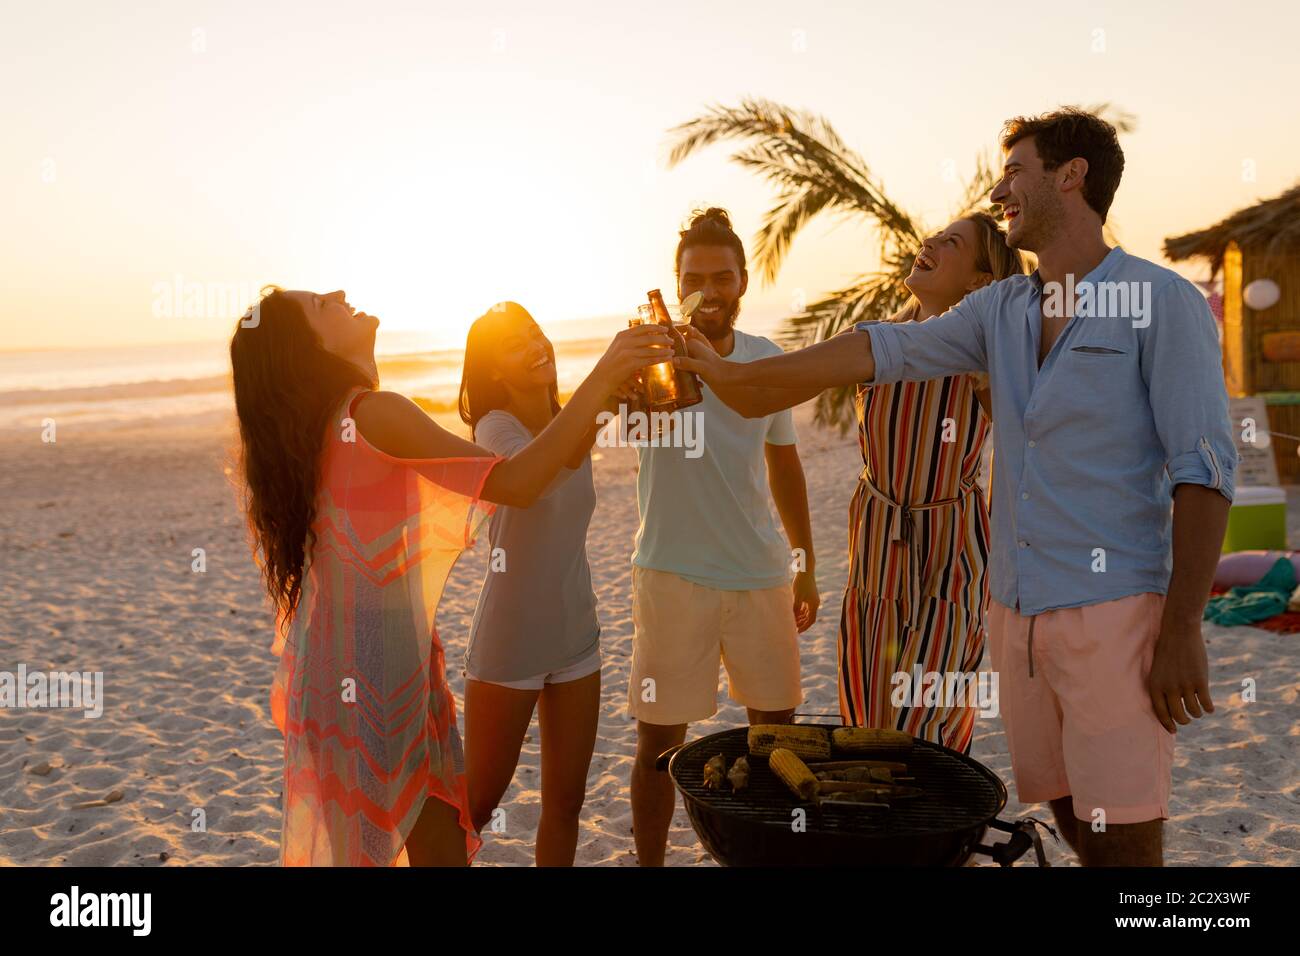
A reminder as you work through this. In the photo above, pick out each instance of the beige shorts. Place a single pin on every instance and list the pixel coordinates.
(683, 632)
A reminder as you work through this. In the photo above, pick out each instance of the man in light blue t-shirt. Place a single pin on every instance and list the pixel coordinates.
(712, 574)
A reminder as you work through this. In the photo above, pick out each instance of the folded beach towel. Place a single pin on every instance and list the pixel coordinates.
(1246, 604)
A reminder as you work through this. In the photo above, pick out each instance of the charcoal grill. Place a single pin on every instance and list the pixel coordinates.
(960, 800)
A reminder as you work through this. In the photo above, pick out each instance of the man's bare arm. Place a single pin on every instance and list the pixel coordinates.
(840, 360)
(789, 488)
(1179, 681)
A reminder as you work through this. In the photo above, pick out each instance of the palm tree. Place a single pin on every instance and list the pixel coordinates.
(814, 172)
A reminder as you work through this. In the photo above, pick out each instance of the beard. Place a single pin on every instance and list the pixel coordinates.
(1040, 219)
(716, 327)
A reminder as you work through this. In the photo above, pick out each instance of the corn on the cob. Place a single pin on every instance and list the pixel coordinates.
(856, 740)
(794, 773)
(810, 743)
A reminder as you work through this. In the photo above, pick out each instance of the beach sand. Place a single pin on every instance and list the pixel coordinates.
(98, 531)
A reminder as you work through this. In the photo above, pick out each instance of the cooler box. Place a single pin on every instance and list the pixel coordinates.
(1257, 520)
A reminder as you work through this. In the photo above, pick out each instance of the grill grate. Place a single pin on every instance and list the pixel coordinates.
(957, 792)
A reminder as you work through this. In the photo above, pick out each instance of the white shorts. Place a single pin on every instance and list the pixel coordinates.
(584, 668)
(685, 630)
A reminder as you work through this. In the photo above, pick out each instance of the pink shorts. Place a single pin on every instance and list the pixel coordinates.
(1079, 721)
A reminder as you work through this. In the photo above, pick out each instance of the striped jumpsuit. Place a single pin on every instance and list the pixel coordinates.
(918, 547)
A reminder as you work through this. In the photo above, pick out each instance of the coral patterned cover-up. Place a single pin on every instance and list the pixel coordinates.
(360, 693)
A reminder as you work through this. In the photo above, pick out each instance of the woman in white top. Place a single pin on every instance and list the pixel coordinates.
(535, 637)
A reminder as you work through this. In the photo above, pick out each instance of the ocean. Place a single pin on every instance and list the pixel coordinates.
(152, 382)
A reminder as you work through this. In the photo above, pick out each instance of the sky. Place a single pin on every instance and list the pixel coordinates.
(432, 160)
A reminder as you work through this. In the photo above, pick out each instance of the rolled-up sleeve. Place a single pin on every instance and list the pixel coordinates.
(1183, 367)
(944, 345)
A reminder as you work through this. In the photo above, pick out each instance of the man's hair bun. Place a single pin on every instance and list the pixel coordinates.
(713, 214)
(710, 227)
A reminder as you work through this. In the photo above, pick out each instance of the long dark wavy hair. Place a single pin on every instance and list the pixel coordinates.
(480, 393)
(287, 388)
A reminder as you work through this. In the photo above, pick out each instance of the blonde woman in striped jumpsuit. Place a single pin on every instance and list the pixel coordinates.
(918, 524)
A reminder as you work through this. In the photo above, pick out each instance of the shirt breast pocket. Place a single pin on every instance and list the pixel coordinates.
(1096, 373)
(1102, 357)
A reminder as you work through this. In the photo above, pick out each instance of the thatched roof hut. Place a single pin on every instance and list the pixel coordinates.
(1269, 228)
(1261, 347)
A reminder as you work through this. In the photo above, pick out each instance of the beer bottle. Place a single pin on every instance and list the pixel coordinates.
(667, 387)
(638, 402)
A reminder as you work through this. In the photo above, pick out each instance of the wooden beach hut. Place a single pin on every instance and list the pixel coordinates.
(1257, 250)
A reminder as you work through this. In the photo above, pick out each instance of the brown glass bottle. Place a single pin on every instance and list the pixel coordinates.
(669, 388)
(637, 402)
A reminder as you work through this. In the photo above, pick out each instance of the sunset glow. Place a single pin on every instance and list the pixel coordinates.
(431, 163)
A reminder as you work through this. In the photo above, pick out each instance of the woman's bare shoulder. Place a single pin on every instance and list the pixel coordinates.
(397, 426)
(378, 409)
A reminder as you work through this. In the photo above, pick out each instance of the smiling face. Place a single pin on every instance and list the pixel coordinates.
(342, 330)
(1029, 196)
(715, 272)
(945, 269)
(524, 358)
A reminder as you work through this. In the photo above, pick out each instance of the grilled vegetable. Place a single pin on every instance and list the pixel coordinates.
(891, 765)
(739, 774)
(714, 771)
(859, 740)
(794, 773)
(877, 791)
(856, 774)
(810, 743)
(855, 800)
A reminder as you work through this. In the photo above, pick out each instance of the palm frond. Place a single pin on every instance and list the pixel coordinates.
(803, 156)
(752, 118)
(975, 195)
(782, 223)
(875, 296)
(1122, 120)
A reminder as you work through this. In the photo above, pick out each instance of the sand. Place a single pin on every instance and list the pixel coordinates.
(97, 533)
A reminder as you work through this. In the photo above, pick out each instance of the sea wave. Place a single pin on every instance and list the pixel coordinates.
(431, 377)
(156, 388)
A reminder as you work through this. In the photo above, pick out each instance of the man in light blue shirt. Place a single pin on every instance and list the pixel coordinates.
(1089, 445)
(1108, 401)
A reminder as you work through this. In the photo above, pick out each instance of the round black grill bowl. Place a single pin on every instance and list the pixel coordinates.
(756, 827)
